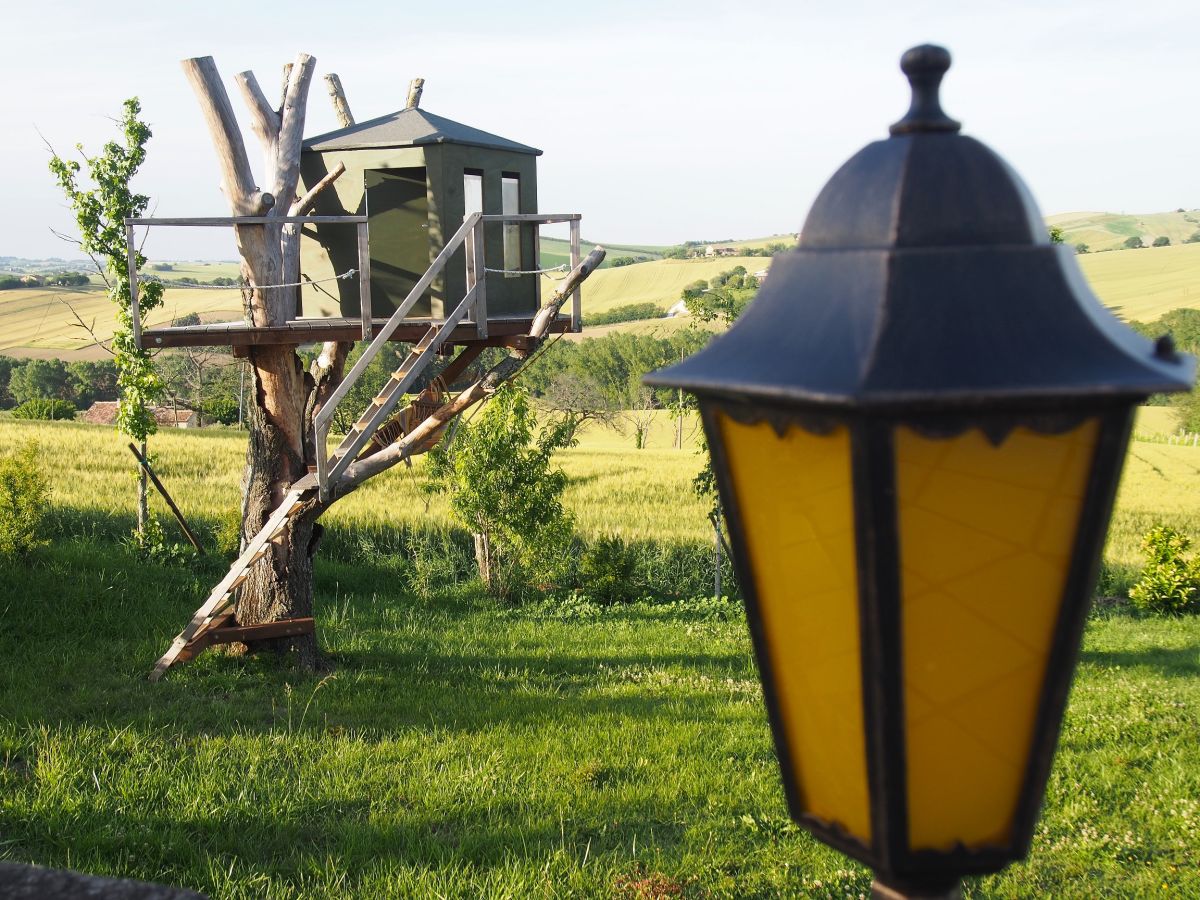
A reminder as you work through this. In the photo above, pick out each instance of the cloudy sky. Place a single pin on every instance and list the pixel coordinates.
(660, 122)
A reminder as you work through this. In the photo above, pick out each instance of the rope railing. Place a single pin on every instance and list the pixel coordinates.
(349, 273)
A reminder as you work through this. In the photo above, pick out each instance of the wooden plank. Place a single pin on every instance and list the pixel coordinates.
(208, 221)
(241, 335)
(576, 296)
(479, 313)
(543, 219)
(244, 633)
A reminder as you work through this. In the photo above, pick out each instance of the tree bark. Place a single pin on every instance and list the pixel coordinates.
(280, 586)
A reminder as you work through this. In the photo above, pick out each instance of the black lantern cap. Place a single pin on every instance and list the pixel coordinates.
(925, 280)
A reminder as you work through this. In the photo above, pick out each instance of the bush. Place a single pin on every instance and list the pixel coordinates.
(1162, 241)
(1169, 583)
(608, 571)
(24, 501)
(1133, 243)
(44, 409)
(1194, 238)
(1082, 248)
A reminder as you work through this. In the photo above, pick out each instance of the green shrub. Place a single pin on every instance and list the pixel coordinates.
(42, 408)
(24, 501)
(608, 571)
(1162, 241)
(1169, 583)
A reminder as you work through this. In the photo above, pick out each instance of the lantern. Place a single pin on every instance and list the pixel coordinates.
(917, 430)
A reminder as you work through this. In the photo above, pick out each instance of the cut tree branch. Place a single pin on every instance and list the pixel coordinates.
(244, 195)
(415, 87)
(341, 108)
(305, 203)
(263, 118)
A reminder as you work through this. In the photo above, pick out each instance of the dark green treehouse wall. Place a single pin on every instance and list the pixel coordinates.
(396, 250)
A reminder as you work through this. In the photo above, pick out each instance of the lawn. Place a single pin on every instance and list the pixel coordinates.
(459, 748)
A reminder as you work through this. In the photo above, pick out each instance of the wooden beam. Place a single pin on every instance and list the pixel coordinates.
(207, 221)
(341, 108)
(231, 634)
(145, 464)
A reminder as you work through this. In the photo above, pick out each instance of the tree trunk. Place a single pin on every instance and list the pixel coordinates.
(483, 559)
(280, 586)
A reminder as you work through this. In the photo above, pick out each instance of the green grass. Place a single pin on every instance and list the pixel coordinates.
(459, 748)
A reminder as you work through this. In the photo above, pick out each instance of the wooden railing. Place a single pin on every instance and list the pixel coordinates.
(364, 254)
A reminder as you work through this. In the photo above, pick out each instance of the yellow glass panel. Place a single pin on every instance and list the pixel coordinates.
(795, 499)
(986, 535)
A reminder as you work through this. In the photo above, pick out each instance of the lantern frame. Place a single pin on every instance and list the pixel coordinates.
(877, 560)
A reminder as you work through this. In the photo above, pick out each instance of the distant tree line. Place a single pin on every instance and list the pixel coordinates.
(57, 279)
(198, 379)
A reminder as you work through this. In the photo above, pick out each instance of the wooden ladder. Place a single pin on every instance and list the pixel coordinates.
(217, 608)
(208, 620)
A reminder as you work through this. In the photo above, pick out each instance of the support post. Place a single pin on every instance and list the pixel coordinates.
(716, 523)
(576, 297)
(364, 279)
(134, 312)
(146, 470)
(480, 312)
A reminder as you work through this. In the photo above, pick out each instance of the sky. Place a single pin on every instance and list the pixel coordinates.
(660, 122)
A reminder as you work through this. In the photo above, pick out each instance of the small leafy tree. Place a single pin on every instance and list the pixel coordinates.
(24, 502)
(1056, 234)
(1133, 243)
(1162, 241)
(100, 212)
(503, 488)
(1082, 248)
(1169, 582)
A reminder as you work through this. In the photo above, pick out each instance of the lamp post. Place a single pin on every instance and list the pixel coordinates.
(917, 430)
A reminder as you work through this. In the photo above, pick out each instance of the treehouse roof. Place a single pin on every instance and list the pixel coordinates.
(410, 128)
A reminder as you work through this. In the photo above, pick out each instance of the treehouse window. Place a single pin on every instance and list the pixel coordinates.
(510, 205)
(472, 202)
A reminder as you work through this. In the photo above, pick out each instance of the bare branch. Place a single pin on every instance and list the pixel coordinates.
(415, 87)
(287, 76)
(90, 329)
(341, 108)
(305, 203)
(244, 195)
(263, 118)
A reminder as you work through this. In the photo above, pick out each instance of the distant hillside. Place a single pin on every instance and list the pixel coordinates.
(1109, 231)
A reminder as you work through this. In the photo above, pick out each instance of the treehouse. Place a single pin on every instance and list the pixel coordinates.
(408, 227)
(416, 176)
(407, 213)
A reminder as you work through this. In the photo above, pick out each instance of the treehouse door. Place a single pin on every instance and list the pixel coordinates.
(398, 209)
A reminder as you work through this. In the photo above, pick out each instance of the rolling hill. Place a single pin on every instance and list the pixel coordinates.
(1138, 285)
(1109, 231)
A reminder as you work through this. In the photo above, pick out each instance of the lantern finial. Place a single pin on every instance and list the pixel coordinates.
(925, 65)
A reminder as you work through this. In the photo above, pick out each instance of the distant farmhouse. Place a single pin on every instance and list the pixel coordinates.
(104, 412)
(720, 250)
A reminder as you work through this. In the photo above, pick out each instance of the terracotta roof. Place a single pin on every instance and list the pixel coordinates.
(104, 412)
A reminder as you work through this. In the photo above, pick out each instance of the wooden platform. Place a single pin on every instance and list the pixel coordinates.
(306, 331)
